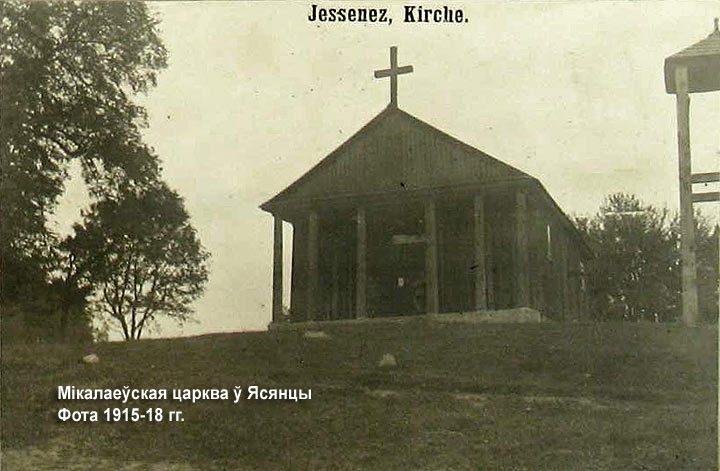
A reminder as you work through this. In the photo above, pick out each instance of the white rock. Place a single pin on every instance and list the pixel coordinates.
(315, 334)
(91, 359)
(382, 393)
(388, 360)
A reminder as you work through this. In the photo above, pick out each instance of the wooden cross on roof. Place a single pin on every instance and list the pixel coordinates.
(393, 73)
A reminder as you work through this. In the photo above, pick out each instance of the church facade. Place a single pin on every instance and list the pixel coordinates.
(404, 219)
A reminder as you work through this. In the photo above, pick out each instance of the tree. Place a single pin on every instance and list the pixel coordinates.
(635, 274)
(68, 72)
(71, 289)
(142, 256)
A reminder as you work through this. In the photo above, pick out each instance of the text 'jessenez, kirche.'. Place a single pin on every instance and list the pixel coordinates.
(411, 14)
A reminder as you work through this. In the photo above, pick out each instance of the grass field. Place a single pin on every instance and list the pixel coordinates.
(493, 397)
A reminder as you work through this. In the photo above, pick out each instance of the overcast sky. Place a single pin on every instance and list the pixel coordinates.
(255, 94)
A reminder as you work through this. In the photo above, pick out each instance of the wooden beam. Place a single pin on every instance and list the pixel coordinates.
(313, 275)
(687, 226)
(706, 197)
(277, 288)
(405, 69)
(290, 206)
(708, 177)
(479, 261)
(522, 259)
(361, 273)
(432, 300)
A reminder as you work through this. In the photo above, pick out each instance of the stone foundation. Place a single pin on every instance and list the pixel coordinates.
(503, 316)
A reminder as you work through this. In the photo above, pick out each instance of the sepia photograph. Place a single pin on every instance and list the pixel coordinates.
(358, 235)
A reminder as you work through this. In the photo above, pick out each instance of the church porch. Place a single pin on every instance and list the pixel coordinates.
(403, 256)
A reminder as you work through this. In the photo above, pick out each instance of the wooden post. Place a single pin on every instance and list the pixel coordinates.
(277, 289)
(361, 273)
(490, 245)
(539, 247)
(335, 299)
(479, 262)
(432, 300)
(563, 261)
(312, 283)
(687, 226)
(522, 261)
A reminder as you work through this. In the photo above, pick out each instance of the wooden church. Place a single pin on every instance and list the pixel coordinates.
(404, 219)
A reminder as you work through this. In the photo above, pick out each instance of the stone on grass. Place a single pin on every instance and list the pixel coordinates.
(315, 334)
(382, 393)
(387, 361)
(91, 359)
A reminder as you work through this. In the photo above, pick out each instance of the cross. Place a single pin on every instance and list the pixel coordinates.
(393, 72)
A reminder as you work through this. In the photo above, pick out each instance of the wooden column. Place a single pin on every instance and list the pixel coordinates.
(563, 261)
(335, 299)
(490, 247)
(297, 272)
(539, 248)
(361, 273)
(313, 275)
(687, 226)
(432, 300)
(522, 259)
(277, 288)
(479, 261)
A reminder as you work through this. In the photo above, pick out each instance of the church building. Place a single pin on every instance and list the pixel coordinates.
(404, 219)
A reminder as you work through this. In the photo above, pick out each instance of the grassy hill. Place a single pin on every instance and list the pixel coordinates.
(498, 397)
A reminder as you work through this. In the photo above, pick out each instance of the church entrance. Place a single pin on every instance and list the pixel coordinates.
(409, 276)
(396, 265)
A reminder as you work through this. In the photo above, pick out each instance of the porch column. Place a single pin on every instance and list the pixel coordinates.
(432, 303)
(479, 262)
(361, 273)
(562, 238)
(538, 277)
(277, 289)
(312, 283)
(522, 259)
(335, 299)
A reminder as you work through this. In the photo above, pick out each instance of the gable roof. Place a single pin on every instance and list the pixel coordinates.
(394, 151)
(397, 152)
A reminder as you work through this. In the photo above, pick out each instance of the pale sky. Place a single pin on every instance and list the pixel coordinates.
(255, 94)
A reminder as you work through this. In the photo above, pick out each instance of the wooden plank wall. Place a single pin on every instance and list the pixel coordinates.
(396, 151)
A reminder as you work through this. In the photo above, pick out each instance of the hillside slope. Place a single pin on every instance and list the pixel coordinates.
(508, 397)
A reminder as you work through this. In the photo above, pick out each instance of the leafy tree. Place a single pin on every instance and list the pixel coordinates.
(142, 256)
(636, 274)
(68, 72)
